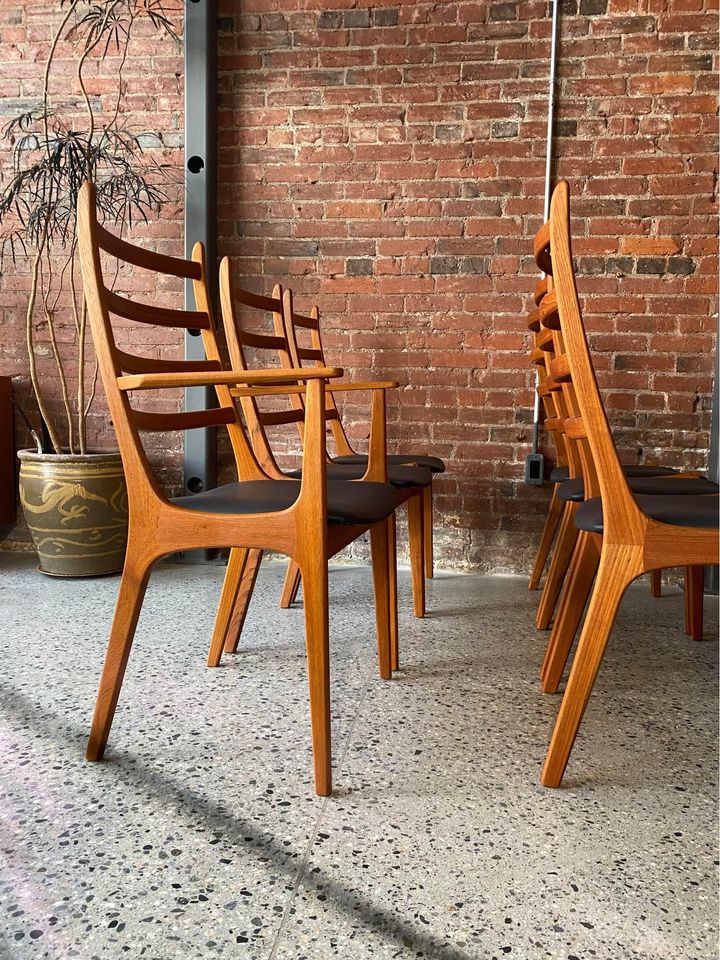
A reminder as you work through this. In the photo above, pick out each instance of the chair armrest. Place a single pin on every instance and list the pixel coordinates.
(213, 378)
(369, 385)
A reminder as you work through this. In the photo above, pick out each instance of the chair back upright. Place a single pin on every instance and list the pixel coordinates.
(588, 423)
(296, 326)
(117, 367)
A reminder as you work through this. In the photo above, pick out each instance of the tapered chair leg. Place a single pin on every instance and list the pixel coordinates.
(428, 530)
(618, 567)
(290, 586)
(576, 590)
(392, 574)
(656, 583)
(417, 542)
(242, 600)
(552, 521)
(231, 585)
(133, 585)
(567, 535)
(694, 584)
(381, 581)
(315, 585)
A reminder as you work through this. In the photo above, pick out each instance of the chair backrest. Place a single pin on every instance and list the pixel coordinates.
(114, 362)
(558, 398)
(299, 325)
(588, 422)
(240, 340)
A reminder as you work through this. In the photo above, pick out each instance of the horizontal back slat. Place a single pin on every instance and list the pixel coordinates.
(549, 312)
(541, 288)
(310, 323)
(545, 389)
(184, 420)
(533, 321)
(575, 428)
(537, 357)
(147, 259)
(541, 248)
(274, 418)
(160, 316)
(132, 364)
(308, 353)
(555, 423)
(257, 301)
(560, 369)
(262, 341)
(545, 341)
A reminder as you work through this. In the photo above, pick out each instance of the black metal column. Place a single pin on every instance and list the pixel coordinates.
(200, 218)
(712, 580)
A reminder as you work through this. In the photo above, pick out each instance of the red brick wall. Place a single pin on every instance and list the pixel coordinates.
(387, 161)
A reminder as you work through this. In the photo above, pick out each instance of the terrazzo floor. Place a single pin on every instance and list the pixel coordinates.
(200, 835)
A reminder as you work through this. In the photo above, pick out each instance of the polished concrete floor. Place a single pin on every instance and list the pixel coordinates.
(200, 836)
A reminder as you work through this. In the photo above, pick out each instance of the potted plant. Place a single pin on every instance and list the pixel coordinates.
(74, 498)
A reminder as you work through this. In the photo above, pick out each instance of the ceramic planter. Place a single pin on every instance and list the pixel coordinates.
(77, 510)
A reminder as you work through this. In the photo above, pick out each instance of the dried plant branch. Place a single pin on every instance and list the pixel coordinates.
(50, 160)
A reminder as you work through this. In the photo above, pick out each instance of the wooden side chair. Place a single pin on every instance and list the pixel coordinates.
(634, 533)
(306, 348)
(410, 481)
(307, 520)
(644, 480)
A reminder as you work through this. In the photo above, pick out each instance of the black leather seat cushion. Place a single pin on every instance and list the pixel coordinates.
(558, 474)
(348, 503)
(652, 486)
(677, 510)
(434, 464)
(398, 475)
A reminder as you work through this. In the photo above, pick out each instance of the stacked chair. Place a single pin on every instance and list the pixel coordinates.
(308, 518)
(616, 524)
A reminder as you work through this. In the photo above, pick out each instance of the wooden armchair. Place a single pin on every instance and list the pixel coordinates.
(409, 481)
(632, 532)
(302, 519)
(301, 328)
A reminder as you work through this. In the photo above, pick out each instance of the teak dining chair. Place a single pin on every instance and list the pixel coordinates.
(410, 482)
(305, 520)
(635, 533)
(641, 479)
(300, 325)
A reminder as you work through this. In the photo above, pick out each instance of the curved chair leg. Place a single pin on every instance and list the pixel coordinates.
(552, 521)
(694, 584)
(133, 585)
(618, 568)
(290, 586)
(576, 590)
(417, 541)
(242, 600)
(381, 580)
(231, 585)
(315, 579)
(392, 573)
(567, 535)
(428, 530)
(656, 583)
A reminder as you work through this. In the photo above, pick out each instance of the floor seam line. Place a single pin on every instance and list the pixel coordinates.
(308, 849)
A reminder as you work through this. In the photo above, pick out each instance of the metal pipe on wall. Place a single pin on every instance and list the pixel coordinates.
(534, 466)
